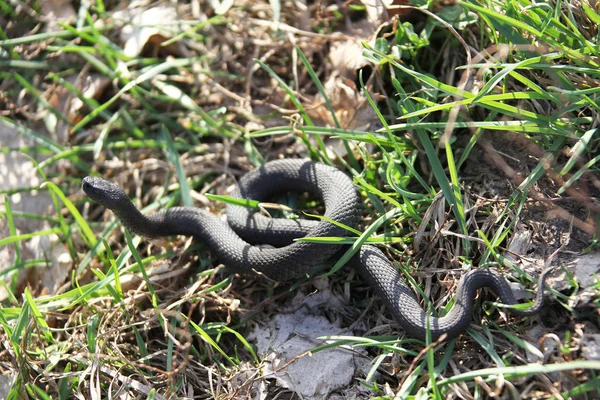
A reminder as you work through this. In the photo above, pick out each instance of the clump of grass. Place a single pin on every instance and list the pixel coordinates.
(511, 85)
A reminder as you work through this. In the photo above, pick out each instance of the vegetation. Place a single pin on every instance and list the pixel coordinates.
(467, 126)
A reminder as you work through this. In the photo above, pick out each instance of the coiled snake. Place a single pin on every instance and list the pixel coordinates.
(235, 242)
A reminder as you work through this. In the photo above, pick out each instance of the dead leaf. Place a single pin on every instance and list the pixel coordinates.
(382, 10)
(92, 86)
(151, 26)
(55, 12)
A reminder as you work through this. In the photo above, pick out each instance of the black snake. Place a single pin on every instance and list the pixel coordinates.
(235, 242)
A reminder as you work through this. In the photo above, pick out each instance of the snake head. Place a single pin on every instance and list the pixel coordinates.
(108, 194)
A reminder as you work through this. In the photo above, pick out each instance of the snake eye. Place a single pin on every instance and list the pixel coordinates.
(90, 185)
(86, 184)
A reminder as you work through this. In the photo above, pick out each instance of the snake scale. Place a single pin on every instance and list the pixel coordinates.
(235, 242)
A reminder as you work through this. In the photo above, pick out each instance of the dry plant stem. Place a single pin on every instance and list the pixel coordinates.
(287, 28)
(580, 194)
(587, 226)
(419, 356)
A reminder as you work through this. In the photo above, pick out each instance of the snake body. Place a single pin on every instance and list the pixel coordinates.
(236, 242)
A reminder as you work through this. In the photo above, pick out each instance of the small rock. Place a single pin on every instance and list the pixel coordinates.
(288, 338)
(587, 268)
(591, 346)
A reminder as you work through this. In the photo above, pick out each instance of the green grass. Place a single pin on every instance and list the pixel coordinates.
(169, 130)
